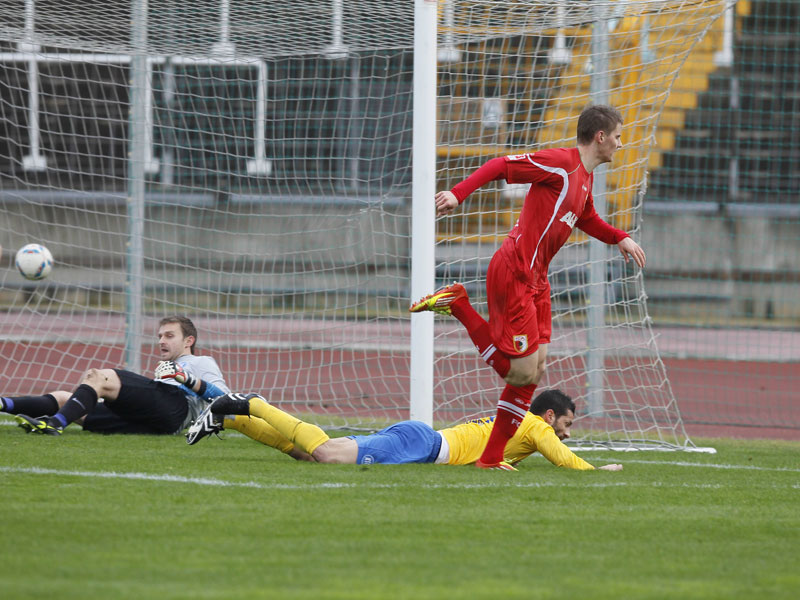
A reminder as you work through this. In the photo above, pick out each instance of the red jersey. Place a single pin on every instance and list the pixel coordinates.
(560, 198)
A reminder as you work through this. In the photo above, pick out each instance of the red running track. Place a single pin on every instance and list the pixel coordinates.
(741, 399)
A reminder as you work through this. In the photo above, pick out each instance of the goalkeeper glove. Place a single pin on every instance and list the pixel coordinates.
(168, 369)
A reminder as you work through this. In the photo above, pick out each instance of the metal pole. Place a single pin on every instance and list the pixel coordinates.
(260, 165)
(136, 187)
(150, 162)
(353, 138)
(337, 50)
(724, 58)
(224, 47)
(34, 160)
(423, 226)
(448, 51)
(598, 252)
(167, 152)
(559, 54)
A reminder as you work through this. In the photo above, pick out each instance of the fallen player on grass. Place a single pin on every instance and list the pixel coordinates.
(545, 426)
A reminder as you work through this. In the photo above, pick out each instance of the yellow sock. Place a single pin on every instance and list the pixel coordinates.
(309, 437)
(260, 431)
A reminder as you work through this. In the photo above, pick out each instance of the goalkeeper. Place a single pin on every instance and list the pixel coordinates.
(132, 403)
(543, 430)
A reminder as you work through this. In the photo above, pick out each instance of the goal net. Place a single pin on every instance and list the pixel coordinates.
(522, 90)
(248, 164)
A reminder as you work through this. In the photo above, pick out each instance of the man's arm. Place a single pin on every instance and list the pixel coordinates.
(591, 223)
(554, 450)
(168, 369)
(611, 467)
(628, 247)
(446, 202)
(298, 454)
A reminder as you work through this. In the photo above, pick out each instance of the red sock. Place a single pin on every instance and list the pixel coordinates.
(478, 330)
(511, 409)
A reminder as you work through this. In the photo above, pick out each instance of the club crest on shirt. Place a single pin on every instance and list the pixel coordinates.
(520, 343)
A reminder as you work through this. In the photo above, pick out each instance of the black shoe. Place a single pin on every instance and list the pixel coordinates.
(205, 425)
(210, 420)
(233, 404)
(43, 426)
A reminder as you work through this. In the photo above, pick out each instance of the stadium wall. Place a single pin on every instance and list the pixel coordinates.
(704, 262)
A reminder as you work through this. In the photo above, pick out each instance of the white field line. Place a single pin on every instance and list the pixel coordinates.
(210, 481)
(678, 463)
(681, 463)
(213, 482)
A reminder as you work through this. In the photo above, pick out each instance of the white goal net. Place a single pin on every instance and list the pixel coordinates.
(248, 164)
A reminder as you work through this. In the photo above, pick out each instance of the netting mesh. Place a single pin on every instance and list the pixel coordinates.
(277, 170)
(276, 165)
(522, 92)
(727, 180)
(248, 28)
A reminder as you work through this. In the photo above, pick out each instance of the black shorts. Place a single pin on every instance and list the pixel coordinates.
(142, 406)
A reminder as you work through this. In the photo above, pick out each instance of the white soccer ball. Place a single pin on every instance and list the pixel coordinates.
(34, 261)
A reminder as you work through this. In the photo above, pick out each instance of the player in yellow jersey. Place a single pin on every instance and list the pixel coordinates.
(543, 430)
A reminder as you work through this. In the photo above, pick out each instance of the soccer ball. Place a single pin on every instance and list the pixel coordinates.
(34, 261)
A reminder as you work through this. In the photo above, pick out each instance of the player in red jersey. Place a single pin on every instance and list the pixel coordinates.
(514, 341)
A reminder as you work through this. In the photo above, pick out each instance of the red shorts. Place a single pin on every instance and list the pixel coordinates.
(519, 316)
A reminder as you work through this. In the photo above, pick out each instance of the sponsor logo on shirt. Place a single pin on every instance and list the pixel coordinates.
(482, 420)
(570, 219)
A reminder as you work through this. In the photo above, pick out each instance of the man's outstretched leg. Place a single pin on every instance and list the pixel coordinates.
(453, 300)
(305, 435)
(515, 400)
(36, 406)
(96, 383)
(231, 411)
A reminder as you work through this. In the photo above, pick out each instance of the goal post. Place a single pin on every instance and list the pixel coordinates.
(272, 178)
(423, 235)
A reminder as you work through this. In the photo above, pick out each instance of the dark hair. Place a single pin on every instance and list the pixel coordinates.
(597, 117)
(187, 327)
(552, 399)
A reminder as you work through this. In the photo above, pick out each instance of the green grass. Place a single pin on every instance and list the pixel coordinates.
(239, 520)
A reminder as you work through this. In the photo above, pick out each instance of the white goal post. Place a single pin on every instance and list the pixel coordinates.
(272, 178)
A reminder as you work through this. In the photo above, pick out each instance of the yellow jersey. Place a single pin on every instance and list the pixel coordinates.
(468, 440)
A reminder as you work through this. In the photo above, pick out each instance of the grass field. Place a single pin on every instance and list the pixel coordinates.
(87, 516)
